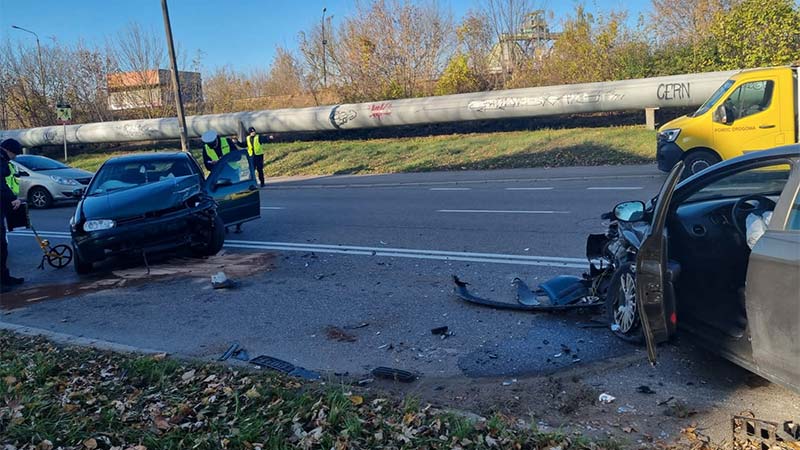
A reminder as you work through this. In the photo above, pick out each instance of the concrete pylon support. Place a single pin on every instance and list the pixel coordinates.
(650, 118)
(677, 91)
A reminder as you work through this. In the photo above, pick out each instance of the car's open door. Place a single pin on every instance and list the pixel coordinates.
(232, 183)
(651, 269)
(772, 295)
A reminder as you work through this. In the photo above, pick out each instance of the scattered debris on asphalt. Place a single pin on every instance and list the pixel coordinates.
(221, 281)
(286, 367)
(337, 334)
(626, 409)
(233, 350)
(680, 410)
(389, 373)
(509, 382)
(606, 398)
(357, 326)
(439, 330)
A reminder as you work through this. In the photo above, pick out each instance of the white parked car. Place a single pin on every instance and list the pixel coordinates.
(44, 181)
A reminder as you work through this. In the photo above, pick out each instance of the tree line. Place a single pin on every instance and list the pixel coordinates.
(390, 49)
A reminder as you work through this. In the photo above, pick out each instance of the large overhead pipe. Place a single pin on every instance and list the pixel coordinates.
(671, 91)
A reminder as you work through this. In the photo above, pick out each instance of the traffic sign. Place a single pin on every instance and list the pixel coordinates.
(63, 113)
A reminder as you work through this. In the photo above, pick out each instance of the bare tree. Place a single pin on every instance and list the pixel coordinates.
(685, 20)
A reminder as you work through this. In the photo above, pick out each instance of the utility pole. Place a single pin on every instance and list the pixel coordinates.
(324, 59)
(176, 85)
(39, 50)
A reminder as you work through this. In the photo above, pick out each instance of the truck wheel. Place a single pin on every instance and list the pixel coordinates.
(40, 197)
(699, 160)
(216, 238)
(621, 307)
(81, 267)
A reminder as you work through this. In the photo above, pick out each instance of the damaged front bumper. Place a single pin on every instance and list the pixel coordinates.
(560, 293)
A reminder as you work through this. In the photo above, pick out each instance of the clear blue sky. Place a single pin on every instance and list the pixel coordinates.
(240, 33)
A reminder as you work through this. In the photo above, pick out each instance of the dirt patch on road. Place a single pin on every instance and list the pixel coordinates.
(235, 266)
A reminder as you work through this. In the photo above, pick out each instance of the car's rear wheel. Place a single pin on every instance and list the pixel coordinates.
(699, 160)
(621, 307)
(82, 267)
(40, 197)
(216, 238)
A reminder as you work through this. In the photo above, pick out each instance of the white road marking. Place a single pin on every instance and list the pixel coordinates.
(499, 211)
(615, 188)
(440, 255)
(451, 189)
(272, 207)
(530, 189)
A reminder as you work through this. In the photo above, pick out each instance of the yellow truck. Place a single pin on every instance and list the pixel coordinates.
(753, 110)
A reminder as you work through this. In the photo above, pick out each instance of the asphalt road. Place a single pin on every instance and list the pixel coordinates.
(379, 250)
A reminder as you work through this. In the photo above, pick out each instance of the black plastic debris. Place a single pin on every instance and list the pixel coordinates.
(235, 351)
(560, 293)
(644, 389)
(279, 365)
(389, 373)
(439, 330)
(750, 432)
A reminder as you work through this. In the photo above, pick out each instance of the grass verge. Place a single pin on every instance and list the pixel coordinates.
(77, 398)
(475, 151)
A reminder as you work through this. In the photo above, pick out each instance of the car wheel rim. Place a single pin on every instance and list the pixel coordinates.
(39, 199)
(625, 309)
(699, 165)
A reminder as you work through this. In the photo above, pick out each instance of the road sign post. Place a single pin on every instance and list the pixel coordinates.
(64, 116)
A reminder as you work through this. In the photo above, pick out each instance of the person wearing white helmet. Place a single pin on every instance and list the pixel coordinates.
(214, 148)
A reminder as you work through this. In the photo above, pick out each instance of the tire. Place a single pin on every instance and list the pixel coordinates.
(81, 267)
(621, 307)
(697, 160)
(40, 198)
(216, 238)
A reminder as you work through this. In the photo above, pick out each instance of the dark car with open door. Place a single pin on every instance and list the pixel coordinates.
(157, 202)
(720, 258)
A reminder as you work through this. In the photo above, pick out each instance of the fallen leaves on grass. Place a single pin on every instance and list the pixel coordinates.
(83, 399)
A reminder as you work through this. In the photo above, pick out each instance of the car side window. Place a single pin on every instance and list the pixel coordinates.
(750, 98)
(794, 216)
(768, 181)
(236, 169)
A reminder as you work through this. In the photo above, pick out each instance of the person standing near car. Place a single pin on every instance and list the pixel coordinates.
(9, 149)
(256, 151)
(214, 148)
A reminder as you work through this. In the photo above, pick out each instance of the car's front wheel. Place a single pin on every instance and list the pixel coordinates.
(82, 267)
(216, 238)
(621, 306)
(40, 197)
(698, 160)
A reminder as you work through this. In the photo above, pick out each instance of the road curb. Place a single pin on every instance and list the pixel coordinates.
(63, 338)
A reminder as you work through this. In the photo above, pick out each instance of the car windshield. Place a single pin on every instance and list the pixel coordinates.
(121, 175)
(714, 97)
(39, 163)
(765, 181)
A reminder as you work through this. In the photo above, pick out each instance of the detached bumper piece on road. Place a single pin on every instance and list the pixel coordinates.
(561, 293)
(752, 433)
(285, 367)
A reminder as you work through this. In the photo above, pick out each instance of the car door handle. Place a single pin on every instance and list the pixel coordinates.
(766, 126)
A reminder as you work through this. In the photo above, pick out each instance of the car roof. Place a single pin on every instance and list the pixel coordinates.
(147, 157)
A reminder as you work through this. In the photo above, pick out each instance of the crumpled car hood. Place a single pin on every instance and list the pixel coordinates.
(142, 199)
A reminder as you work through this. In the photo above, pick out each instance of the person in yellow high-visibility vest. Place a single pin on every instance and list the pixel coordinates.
(11, 181)
(214, 148)
(256, 151)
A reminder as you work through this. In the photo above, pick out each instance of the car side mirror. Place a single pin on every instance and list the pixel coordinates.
(723, 114)
(223, 182)
(629, 211)
(22, 173)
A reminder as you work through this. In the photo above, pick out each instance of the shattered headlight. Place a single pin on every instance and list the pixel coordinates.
(97, 225)
(62, 180)
(669, 135)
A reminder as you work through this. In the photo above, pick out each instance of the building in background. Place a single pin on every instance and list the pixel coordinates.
(533, 41)
(151, 90)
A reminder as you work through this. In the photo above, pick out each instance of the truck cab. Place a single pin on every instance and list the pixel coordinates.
(753, 110)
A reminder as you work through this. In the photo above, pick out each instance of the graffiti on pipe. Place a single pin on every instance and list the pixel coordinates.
(50, 136)
(673, 91)
(380, 110)
(339, 117)
(504, 103)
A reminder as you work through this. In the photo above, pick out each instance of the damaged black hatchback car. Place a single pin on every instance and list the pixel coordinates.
(150, 203)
